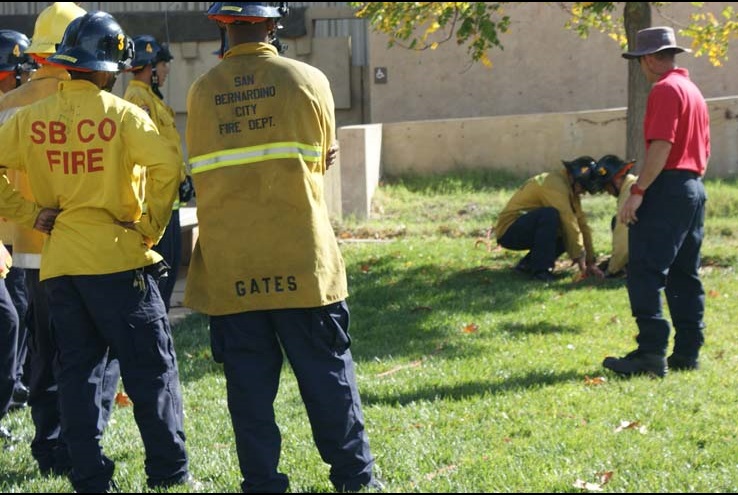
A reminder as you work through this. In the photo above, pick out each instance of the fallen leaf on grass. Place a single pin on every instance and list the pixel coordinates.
(598, 380)
(471, 328)
(585, 485)
(631, 425)
(122, 400)
(605, 477)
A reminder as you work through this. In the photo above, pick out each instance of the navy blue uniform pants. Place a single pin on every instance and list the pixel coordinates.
(121, 312)
(8, 345)
(664, 255)
(16, 285)
(316, 342)
(170, 248)
(537, 230)
(48, 446)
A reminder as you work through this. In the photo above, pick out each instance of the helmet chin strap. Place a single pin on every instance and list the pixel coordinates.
(155, 82)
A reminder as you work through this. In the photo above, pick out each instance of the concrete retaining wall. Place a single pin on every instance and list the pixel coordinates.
(528, 144)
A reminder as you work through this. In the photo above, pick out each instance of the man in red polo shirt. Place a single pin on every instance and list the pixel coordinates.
(666, 213)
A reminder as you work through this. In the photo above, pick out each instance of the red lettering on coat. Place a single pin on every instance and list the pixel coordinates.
(57, 132)
(77, 161)
(38, 129)
(85, 138)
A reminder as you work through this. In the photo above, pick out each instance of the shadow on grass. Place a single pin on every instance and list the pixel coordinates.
(412, 312)
(531, 380)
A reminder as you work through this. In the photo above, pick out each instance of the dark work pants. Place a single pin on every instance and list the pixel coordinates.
(664, 254)
(16, 285)
(316, 342)
(536, 230)
(48, 446)
(8, 344)
(124, 312)
(170, 247)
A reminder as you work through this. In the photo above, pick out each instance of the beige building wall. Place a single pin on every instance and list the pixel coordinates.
(543, 68)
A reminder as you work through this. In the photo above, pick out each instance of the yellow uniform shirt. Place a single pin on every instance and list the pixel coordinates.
(80, 148)
(258, 130)
(141, 94)
(619, 255)
(27, 243)
(551, 189)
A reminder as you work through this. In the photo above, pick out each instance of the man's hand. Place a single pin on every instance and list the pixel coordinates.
(594, 271)
(46, 219)
(332, 156)
(627, 213)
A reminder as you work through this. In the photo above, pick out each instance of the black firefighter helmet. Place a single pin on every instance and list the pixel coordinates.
(94, 42)
(580, 170)
(230, 12)
(148, 51)
(609, 168)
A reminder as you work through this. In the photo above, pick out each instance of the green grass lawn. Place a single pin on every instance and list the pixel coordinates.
(473, 378)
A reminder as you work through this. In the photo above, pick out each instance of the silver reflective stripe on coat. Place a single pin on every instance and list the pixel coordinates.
(254, 154)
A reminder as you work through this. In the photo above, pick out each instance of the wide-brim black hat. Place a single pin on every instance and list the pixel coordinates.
(654, 39)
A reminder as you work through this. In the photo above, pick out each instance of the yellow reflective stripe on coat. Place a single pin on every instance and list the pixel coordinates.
(253, 154)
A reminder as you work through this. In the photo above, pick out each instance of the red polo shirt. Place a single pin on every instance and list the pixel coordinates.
(676, 112)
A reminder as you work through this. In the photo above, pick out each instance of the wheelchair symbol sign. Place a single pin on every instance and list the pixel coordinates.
(380, 75)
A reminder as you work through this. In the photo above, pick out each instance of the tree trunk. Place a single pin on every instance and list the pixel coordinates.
(637, 16)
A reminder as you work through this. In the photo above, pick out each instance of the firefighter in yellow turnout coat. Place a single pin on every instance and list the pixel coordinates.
(47, 446)
(266, 266)
(14, 70)
(545, 216)
(611, 175)
(256, 146)
(150, 69)
(15, 67)
(82, 150)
